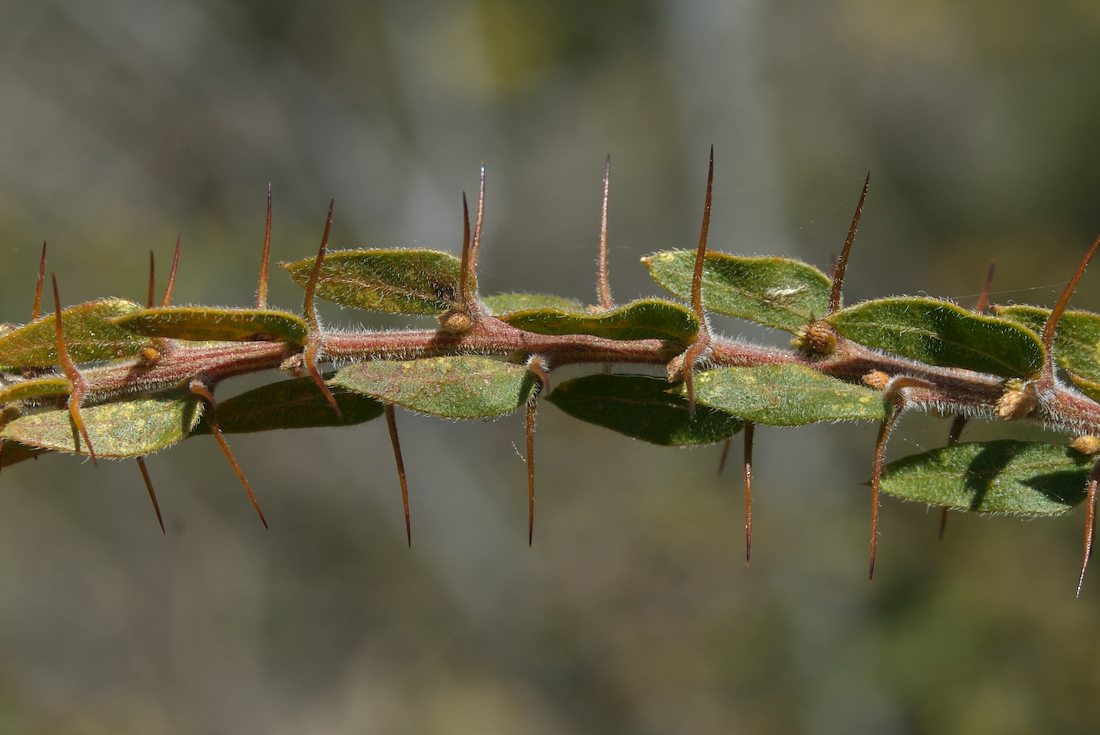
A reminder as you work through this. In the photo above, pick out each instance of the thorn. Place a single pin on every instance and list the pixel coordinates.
(953, 435)
(391, 424)
(464, 273)
(842, 262)
(603, 281)
(987, 285)
(152, 492)
(532, 407)
(313, 344)
(702, 339)
(1090, 524)
(749, 426)
(725, 454)
(167, 300)
(76, 393)
(204, 393)
(475, 245)
(832, 266)
(36, 306)
(149, 297)
(265, 259)
(1059, 309)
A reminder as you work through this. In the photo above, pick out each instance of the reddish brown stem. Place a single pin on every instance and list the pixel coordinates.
(842, 262)
(391, 424)
(151, 491)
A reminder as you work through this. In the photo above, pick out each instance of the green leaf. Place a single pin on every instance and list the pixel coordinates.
(203, 323)
(52, 385)
(1076, 341)
(642, 407)
(506, 303)
(776, 292)
(465, 387)
(786, 395)
(130, 428)
(1003, 476)
(396, 281)
(90, 334)
(645, 319)
(941, 333)
(291, 404)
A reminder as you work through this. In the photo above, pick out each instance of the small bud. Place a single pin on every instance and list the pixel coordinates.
(1016, 402)
(876, 379)
(817, 338)
(455, 321)
(149, 356)
(1087, 445)
(675, 368)
(293, 365)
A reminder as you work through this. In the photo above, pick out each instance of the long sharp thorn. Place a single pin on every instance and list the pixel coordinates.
(167, 300)
(313, 343)
(464, 273)
(748, 490)
(702, 338)
(842, 262)
(1090, 524)
(1059, 309)
(953, 436)
(265, 258)
(76, 393)
(391, 424)
(725, 454)
(475, 244)
(152, 492)
(532, 407)
(884, 431)
(603, 280)
(212, 421)
(151, 290)
(36, 305)
(983, 298)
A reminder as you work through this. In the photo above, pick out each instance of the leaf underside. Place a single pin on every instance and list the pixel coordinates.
(1003, 476)
(90, 334)
(777, 292)
(942, 333)
(291, 404)
(394, 281)
(642, 407)
(645, 319)
(201, 323)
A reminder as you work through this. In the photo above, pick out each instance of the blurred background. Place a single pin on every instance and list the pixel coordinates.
(123, 123)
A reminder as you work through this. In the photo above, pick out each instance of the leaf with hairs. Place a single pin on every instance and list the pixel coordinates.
(464, 387)
(129, 428)
(1003, 476)
(291, 404)
(642, 407)
(35, 388)
(644, 319)
(207, 324)
(1076, 341)
(777, 292)
(13, 453)
(506, 303)
(942, 333)
(786, 395)
(395, 281)
(90, 333)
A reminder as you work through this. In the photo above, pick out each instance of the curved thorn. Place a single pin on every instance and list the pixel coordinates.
(1090, 524)
(701, 251)
(529, 428)
(76, 392)
(265, 258)
(391, 424)
(313, 346)
(475, 245)
(150, 291)
(725, 454)
(749, 426)
(152, 492)
(36, 305)
(204, 393)
(603, 280)
(464, 273)
(167, 300)
(983, 298)
(842, 262)
(1059, 309)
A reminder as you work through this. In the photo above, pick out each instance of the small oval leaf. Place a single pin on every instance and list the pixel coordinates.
(395, 281)
(645, 319)
(1076, 341)
(52, 385)
(465, 387)
(1004, 476)
(506, 303)
(942, 333)
(90, 334)
(786, 395)
(777, 292)
(203, 324)
(130, 428)
(291, 404)
(642, 407)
